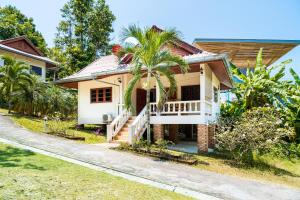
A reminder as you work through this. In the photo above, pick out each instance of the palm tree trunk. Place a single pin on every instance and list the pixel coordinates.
(9, 99)
(148, 108)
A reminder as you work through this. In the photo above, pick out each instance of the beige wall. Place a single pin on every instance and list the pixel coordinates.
(27, 60)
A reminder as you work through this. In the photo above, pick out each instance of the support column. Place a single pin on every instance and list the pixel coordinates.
(211, 136)
(173, 133)
(158, 131)
(202, 137)
(202, 91)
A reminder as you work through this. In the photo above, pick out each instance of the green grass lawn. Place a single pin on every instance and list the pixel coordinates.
(27, 175)
(37, 125)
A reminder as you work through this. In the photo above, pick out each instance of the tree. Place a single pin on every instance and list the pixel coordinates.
(13, 23)
(83, 34)
(262, 85)
(30, 98)
(151, 59)
(14, 76)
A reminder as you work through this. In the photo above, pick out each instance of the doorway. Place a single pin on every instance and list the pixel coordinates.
(141, 98)
(188, 132)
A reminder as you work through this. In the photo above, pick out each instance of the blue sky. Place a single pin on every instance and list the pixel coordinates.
(255, 19)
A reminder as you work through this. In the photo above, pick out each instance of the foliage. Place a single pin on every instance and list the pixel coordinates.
(83, 34)
(13, 23)
(28, 94)
(57, 127)
(162, 144)
(293, 101)
(257, 130)
(261, 85)
(287, 150)
(14, 75)
(150, 58)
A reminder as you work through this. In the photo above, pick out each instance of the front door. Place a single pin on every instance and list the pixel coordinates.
(141, 95)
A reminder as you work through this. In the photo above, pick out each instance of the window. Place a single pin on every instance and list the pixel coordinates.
(36, 70)
(216, 94)
(101, 95)
(1, 62)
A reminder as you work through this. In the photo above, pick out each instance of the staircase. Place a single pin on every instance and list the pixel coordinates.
(127, 128)
(122, 135)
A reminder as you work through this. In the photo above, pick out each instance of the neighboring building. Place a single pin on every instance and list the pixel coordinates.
(22, 49)
(185, 117)
(243, 52)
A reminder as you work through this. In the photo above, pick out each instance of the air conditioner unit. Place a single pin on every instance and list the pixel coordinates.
(107, 118)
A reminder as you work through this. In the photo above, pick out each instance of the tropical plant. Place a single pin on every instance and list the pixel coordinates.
(261, 85)
(292, 109)
(30, 99)
(150, 58)
(14, 76)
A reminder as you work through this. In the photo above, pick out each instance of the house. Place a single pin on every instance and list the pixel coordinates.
(22, 49)
(187, 116)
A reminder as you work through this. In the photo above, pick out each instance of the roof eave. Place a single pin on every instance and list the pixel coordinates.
(27, 54)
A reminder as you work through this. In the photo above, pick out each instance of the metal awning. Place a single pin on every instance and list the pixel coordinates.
(242, 52)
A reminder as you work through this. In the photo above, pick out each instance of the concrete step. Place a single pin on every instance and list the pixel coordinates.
(119, 141)
(121, 138)
(124, 129)
(123, 133)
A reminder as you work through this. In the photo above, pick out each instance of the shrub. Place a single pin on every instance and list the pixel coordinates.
(58, 127)
(258, 129)
(141, 144)
(162, 144)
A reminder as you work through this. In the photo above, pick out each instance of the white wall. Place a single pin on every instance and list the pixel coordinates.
(92, 113)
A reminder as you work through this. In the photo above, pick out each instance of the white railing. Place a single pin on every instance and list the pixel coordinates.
(137, 128)
(176, 108)
(115, 126)
(181, 108)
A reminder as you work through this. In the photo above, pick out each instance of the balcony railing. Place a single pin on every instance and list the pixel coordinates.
(181, 108)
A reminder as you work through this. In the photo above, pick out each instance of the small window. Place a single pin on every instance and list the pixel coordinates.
(36, 70)
(101, 95)
(1, 62)
(216, 94)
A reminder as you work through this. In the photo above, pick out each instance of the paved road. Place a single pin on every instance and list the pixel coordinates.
(213, 184)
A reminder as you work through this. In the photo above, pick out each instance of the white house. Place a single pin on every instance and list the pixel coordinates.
(187, 116)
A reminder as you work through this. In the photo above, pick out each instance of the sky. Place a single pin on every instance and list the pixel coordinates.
(250, 19)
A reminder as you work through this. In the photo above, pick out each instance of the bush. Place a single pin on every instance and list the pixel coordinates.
(258, 129)
(58, 127)
(162, 145)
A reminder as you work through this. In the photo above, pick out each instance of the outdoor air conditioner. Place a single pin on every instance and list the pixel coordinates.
(107, 118)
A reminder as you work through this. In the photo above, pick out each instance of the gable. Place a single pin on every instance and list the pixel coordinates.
(22, 44)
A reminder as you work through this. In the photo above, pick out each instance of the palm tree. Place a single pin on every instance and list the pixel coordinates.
(13, 76)
(30, 99)
(151, 58)
(261, 85)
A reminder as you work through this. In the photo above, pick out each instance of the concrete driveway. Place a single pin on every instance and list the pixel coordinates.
(212, 184)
